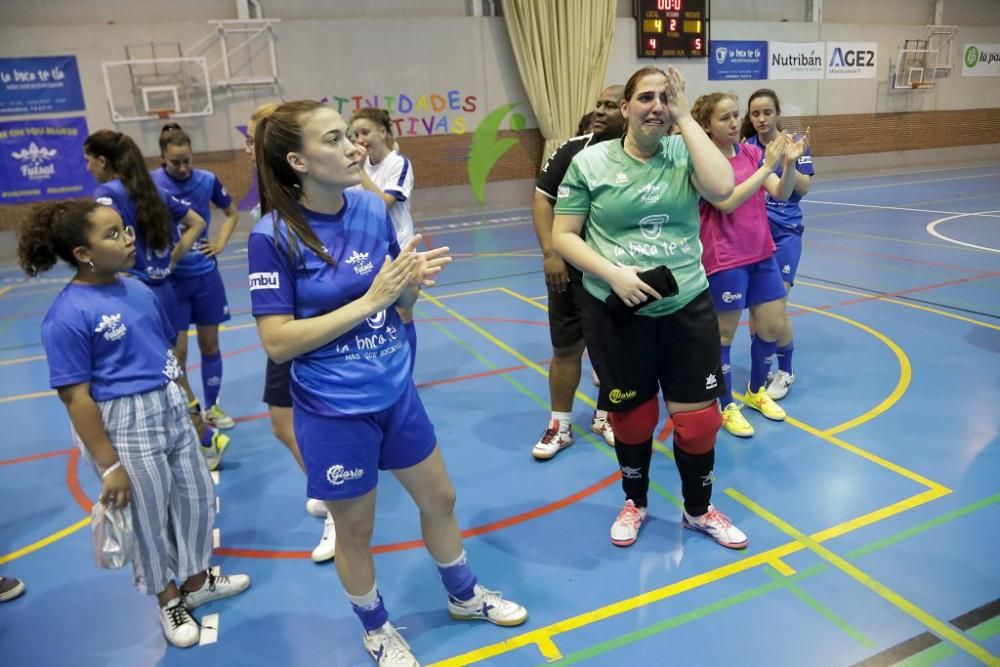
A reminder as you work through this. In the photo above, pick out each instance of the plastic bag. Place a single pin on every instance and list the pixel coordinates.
(111, 535)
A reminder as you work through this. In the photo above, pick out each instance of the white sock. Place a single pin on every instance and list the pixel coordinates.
(366, 601)
(462, 558)
(600, 414)
(564, 419)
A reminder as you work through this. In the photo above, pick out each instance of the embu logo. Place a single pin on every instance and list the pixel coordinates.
(264, 281)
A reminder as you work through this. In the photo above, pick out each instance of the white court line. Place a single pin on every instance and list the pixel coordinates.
(842, 176)
(216, 538)
(822, 191)
(215, 476)
(209, 629)
(217, 510)
(984, 214)
(934, 232)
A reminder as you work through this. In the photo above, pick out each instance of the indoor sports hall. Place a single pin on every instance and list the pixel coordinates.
(872, 511)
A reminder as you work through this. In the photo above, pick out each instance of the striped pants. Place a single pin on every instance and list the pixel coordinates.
(173, 500)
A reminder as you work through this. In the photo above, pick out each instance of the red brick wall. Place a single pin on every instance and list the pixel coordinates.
(439, 160)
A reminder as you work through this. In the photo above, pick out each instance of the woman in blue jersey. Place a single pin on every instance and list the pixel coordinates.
(155, 219)
(108, 345)
(389, 175)
(761, 125)
(326, 274)
(197, 283)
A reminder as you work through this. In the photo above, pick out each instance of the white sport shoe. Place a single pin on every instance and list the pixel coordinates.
(778, 384)
(625, 529)
(552, 441)
(216, 587)
(388, 648)
(316, 507)
(217, 417)
(179, 627)
(602, 427)
(213, 452)
(327, 544)
(716, 525)
(487, 605)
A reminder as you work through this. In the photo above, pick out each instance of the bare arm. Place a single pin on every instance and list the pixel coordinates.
(213, 248)
(87, 423)
(193, 225)
(368, 184)
(542, 215)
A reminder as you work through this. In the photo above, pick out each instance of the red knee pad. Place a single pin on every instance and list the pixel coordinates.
(635, 426)
(695, 431)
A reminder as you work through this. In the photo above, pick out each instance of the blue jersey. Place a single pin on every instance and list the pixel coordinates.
(787, 214)
(366, 369)
(197, 191)
(151, 266)
(116, 337)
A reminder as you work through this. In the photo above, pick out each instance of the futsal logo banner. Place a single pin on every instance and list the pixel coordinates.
(851, 60)
(737, 60)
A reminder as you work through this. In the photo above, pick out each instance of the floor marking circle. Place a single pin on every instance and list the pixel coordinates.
(932, 230)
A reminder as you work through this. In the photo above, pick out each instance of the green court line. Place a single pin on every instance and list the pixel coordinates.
(782, 582)
(820, 608)
(938, 652)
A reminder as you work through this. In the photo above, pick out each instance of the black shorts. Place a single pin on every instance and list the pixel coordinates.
(565, 311)
(278, 384)
(637, 356)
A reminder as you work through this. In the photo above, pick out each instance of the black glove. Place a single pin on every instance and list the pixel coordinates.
(660, 278)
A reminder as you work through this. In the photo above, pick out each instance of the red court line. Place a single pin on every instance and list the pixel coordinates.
(73, 482)
(949, 283)
(36, 457)
(911, 260)
(470, 532)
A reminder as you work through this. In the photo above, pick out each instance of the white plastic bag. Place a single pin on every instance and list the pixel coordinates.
(111, 534)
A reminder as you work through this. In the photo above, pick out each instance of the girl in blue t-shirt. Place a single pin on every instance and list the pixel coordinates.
(155, 219)
(108, 345)
(197, 283)
(326, 273)
(761, 125)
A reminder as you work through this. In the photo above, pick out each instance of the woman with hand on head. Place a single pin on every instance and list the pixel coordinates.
(326, 275)
(389, 175)
(197, 283)
(108, 345)
(627, 216)
(761, 125)
(154, 217)
(739, 252)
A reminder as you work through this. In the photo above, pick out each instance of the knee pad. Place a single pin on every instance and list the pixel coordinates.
(635, 426)
(695, 431)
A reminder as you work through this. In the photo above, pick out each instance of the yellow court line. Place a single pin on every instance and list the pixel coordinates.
(781, 566)
(939, 627)
(24, 397)
(530, 302)
(452, 295)
(4, 290)
(44, 542)
(915, 306)
(905, 371)
(21, 360)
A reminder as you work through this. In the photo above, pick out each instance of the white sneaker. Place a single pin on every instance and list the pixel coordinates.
(388, 648)
(778, 384)
(717, 525)
(625, 529)
(216, 587)
(217, 417)
(602, 427)
(327, 544)
(316, 507)
(213, 452)
(178, 627)
(552, 441)
(487, 605)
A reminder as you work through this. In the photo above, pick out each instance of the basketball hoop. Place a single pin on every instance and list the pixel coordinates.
(162, 114)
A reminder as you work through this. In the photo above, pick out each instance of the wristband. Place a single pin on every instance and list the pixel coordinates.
(110, 469)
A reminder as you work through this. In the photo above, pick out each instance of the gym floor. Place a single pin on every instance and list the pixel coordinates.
(872, 511)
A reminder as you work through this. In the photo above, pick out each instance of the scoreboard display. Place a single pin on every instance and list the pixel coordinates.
(672, 28)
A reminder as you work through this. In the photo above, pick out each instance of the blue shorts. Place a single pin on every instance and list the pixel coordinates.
(164, 292)
(200, 299)
(789, 252)
(343, 454)
(746, 286)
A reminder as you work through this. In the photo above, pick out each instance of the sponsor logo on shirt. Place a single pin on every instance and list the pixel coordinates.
(264, 280)
(650, 193)
(359, 262)
(617, 396)
(172, 369)
(621, 178)
(111, 326)
(651, 224)
(787, 268)
(563, 191)
(711, 382)
(729, 297)
(104, 201)
(377, 321)
(338, 474)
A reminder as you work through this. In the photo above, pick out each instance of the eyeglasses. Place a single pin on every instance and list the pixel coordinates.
(123, 235)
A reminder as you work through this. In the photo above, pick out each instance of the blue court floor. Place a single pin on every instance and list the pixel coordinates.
(873, 512)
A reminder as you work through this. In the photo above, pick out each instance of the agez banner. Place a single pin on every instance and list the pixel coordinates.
(47, 84)
(730, 60)
(43, 159)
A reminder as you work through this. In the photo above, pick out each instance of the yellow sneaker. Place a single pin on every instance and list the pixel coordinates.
(734, 421)
(214, 451)
(764, 404)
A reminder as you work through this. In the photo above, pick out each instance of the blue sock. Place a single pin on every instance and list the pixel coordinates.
(370, 609)
(785, 357)
(458, 578)
(411, 337)
(206, 440)
(761, 357)
(211, 378)
(727, 378)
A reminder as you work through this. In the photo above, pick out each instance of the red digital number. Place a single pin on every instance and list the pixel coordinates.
(668, 5)
(651, 43)
(673, 25)
(697, 44)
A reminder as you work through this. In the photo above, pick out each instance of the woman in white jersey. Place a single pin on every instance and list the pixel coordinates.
(388, 174)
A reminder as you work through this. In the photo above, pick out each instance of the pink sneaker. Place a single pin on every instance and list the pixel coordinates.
(625, 529)
(717, 525)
